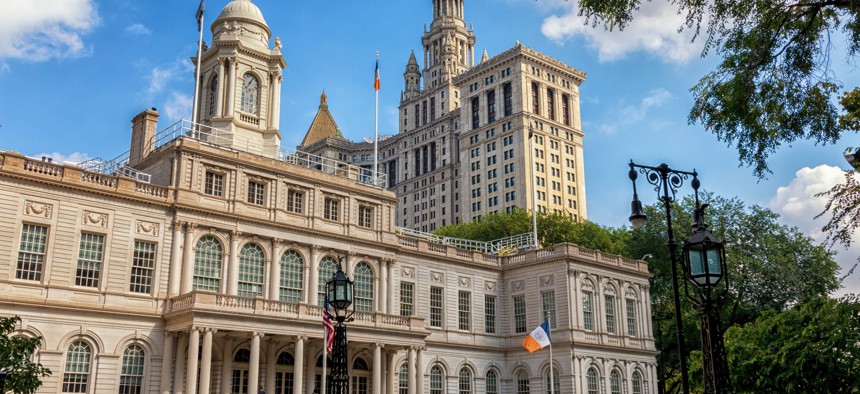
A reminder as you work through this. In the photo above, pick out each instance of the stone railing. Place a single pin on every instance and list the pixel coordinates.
(577, 252)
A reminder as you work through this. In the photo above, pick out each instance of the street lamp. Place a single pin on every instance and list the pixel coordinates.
(339, 295)
(706, 267)
(666, 182)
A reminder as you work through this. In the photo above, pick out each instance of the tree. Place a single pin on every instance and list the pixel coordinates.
(23, 375)
(811, 348)
(775, 84)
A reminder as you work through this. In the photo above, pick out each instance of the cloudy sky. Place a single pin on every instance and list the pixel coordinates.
(74, 72)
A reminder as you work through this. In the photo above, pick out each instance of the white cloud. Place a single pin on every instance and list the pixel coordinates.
(635, 113)
(138, 29)
(654, 29)
(44, 29)
(797, 206)
(161, 76)
(177, 107)
(75, 157)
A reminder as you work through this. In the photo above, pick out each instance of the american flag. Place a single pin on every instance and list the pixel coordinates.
(329, 327)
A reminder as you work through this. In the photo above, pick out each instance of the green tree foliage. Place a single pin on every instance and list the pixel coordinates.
(813, 347)
(775, 84)
(23, 375)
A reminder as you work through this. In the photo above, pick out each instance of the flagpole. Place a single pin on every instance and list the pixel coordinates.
(199, 64)
(551, 375)
(376, 127)
(325, 360)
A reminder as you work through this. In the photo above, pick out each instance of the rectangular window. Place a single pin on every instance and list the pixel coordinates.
(490, 314)
(610, 313)
(214, 185)
(365, 216)
(565, 109)
(295, 201)
(435, 307)
(332, 209)
(548, 303)
(631, 317)
(476, 113)
(90, 257)
(491, 106)
(464, 308)
(142, 267)
(407, 298)
(424, 112)
(535, 102)
(31, 252)
(256, 191)
(550, 103)
(415, 114)
(508, 96)
(432, 108)
(586, 311)
(520, 314)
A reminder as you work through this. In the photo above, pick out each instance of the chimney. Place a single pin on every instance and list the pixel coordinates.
(143, 128)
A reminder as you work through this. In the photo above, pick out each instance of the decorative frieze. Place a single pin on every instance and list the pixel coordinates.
(437, 277)
(32, 208)
(546, 281)
(95, 219)
(465, 282)
(518, 286)
(147, 228)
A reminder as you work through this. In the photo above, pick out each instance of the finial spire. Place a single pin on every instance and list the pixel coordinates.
(323, 98)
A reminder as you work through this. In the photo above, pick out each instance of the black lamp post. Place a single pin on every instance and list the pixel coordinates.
(706, 266)
(339, 295)
(666, 182)
(2, 381)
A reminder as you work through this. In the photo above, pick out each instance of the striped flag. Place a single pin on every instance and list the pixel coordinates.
(376, 79)
(329, 327)
(200, 11)
(539, 338)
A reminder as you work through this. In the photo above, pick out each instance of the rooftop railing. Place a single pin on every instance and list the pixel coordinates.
(502, 247)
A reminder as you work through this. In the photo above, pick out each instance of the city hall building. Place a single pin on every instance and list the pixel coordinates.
(195, 262)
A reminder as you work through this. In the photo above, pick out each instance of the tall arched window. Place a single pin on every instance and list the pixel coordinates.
(213, 93)
(251, 264)
(133, 363)
(76, 375)
(591, 380)
(436, 386)
(240, 371)
(492, 382)
(292, 267)
(207, 264)
(615, 382)
(522, 382)
(328, 266)
(250, 94)
(284, 373)
(363, 288)
(637, 383)
(360, 376)
(555, 382)
(403, 379)
(465, 381)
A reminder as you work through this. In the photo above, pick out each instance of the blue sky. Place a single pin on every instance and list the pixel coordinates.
(74, 72)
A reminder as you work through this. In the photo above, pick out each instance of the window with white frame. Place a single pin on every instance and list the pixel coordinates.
(31, 252)
(520, 313)
(76, 374)
(587, 311)
(214, 184)
(252, 262)
(208, 256)
(241, 371)
(615, 382)
(435, 307)
(609, 306)
(436, 376)
(142, 267)
(90, 257)
(250, 99)
(464, 310)
(591, 381)
(328, 266)
(490, 314)
(548, 304)
(213, 93)
(637, 383)
(631, 316)
(295, 200)
(284, 377)
(407, 298)
(256, 192)
(552, 384)
(522, 382)
(465, 381)
(292, 272)
(363, 296)
(403, 379)
(133, 369)
(331, 209)
(365, 216)
(492, 382)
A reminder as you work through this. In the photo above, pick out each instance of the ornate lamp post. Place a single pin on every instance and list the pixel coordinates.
(666, 182)
(339, 291)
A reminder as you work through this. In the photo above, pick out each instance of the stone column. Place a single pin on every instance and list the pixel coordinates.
(350, 265)
(227, 366)
(179, 366)
(419, 366)
(275, 272)
(191, 370)
(311, 363)
(167, 358)
(384, 295)
(254, 363)
(219, 99)
(392, 307)
(233, 266)
(413, 381)
(231, 86)
(206, 361)
(298, 366)
(270, 365)
(313, 279)
(377, 368)
(393, 373)
(276, 107)
(647, 330)
(175, 269)
(188, 260)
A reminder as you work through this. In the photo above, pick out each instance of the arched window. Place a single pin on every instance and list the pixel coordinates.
(251, 265)
(522, 382)
(465, 381)
(328, 266)
(591, 380)
(250, 94)
(133, 363)
(492, 382)
(240, 371)
(615, 382)
(284, 373)
(292, 267)
(76, 375)
(555, 382)
(360, 377)
(637, 383)
(363, 288)
(207, 264)
(436, 386)
(213, 93)
(403, 379)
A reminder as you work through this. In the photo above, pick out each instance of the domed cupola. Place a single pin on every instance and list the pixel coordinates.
(242, 19)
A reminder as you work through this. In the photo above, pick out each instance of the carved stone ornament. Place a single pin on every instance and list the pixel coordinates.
(518, 285)
(147, 228)
(32, 208)
(465, 282)
(546, 281)
(587, 285)
(630, 293)
(408, 272)
(96, 219)
(436, 277)
(490, 286)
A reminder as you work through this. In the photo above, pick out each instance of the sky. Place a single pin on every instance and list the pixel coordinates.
(73, 73)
